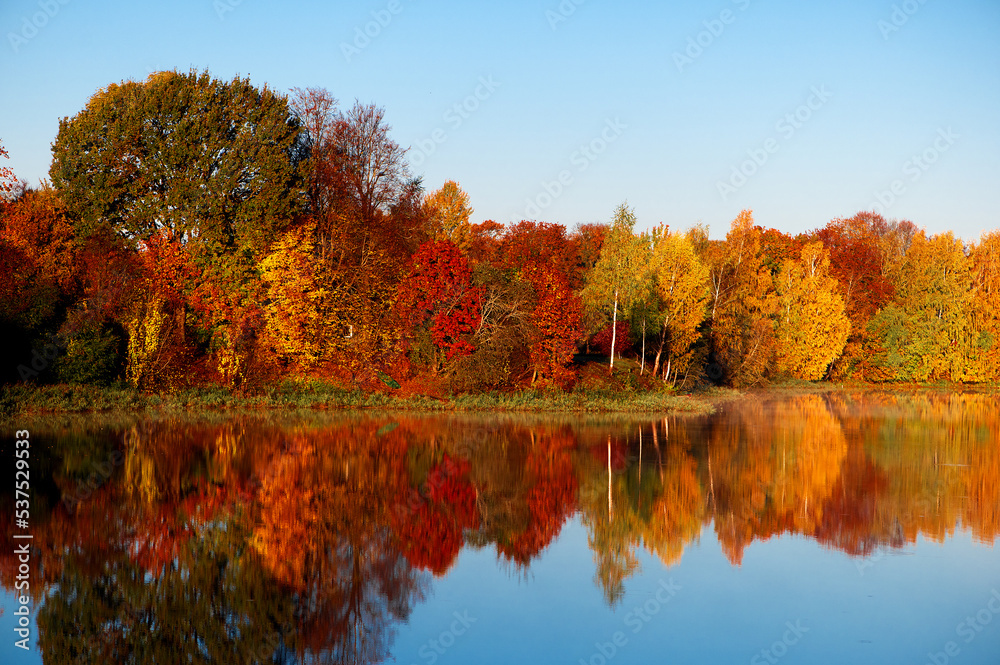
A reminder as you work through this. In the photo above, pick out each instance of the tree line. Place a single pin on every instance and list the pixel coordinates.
(199, 231)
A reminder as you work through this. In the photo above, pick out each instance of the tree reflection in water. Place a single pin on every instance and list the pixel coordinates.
(312, 539)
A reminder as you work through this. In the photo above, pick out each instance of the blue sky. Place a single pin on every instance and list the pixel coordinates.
(690, 111)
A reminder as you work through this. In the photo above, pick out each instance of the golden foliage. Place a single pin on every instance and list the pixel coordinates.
(812, 327)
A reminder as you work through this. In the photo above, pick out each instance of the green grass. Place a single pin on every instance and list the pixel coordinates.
(35, 400)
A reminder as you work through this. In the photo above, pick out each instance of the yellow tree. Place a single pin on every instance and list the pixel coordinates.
(812, 326)
(681, 283)
(619, 278)
(295, 304)
(448, 212)
(984, 312)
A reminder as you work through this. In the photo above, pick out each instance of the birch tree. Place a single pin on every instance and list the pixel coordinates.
(618, 279)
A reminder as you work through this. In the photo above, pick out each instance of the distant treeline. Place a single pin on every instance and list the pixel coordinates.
(198, 231)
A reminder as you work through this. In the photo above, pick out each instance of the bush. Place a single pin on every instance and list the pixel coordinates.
(93, 356)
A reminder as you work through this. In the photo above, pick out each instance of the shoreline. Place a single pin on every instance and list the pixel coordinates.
(63, 399)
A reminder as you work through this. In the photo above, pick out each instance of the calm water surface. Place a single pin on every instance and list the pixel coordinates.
(840, 528)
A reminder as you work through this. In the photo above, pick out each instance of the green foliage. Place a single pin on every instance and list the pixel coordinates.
(923, 332)
(216, 162)
(94, 356)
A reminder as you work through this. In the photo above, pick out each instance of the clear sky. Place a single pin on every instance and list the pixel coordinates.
(690, 111)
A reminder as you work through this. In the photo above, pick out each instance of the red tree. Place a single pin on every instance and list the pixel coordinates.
(539, 242)
(858, 261)
(556, 319)
(438, 293)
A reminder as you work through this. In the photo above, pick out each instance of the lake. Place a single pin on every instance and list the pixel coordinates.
(844, 527)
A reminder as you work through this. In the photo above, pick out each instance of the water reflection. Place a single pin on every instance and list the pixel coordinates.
(312, 538)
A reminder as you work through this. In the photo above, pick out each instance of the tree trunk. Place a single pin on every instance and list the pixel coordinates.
(659, 351)
(642, 365)
(614, 332)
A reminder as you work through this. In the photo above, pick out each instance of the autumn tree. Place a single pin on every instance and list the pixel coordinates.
(741, 305)
(484, 241)
(777, 247)
(865, 252)
(369, 219)
(618, 278)
(922, 333)
(811, 326)
(300, 316)
(38, 256)
(858, 261)
(539, 242)
(983, 340)
(587, 241)
(317, 111)
(681, 284)
(8, 181)
(447, 211)
(556, 322)
(440, 304)
(373, 165)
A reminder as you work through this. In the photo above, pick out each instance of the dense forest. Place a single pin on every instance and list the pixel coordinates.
(206, 232)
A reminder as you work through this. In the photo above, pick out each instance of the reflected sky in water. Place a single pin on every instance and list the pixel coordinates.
(812, 529)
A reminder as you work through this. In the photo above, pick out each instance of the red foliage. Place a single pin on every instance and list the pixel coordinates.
(439, 291)
(550, 500)
(602, 340)
(556, 318)
(587, 241)
(619, 454)
(484, 241)
(539, 243)
(857, 260)
(110, 271)
(431, 532)
(168, 267)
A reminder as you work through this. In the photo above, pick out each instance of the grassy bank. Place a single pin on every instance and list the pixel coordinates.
(35, 400)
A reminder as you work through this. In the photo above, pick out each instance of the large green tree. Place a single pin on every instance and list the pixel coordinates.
(212, 161)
